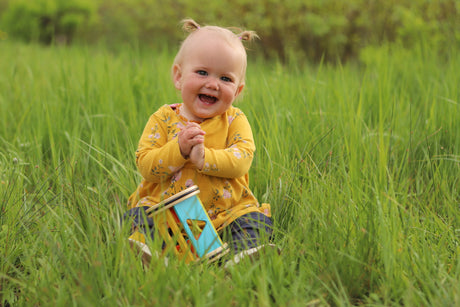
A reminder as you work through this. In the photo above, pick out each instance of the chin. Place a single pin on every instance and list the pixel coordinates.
(203, 117)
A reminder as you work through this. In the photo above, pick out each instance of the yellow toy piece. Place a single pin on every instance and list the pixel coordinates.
(185, 228)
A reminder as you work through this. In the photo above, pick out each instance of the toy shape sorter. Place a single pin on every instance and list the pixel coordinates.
(185, 228)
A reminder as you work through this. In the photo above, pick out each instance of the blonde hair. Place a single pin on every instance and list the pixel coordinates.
(234, 36)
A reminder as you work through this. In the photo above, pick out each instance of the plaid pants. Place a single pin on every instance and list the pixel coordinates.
(248, 231)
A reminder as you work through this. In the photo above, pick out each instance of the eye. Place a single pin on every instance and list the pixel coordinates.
(226, 79)
(202, 72)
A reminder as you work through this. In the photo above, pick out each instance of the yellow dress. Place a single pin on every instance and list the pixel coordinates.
(223, 181)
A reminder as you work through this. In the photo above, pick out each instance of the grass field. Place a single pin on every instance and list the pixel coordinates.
(360, 163)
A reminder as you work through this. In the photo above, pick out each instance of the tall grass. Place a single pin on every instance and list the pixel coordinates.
(360, 163)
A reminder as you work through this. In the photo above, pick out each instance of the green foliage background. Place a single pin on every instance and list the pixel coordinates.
(300, 29)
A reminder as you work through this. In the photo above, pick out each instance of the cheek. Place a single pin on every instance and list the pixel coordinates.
(190, 84)
(186, 85)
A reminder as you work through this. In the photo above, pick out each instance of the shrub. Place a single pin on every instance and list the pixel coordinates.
(46, 21)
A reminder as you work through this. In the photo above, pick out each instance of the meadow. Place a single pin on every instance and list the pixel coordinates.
(360, 162)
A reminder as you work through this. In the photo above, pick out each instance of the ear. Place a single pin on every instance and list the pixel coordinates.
(239, 89)
(177, 75)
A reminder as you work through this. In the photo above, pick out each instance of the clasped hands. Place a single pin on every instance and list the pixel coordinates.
(191, 144)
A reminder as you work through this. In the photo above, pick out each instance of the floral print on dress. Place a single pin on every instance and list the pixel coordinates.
(212, 214)
(210, 168)
(154, 135)
(176, 176)
(158, 171)
(226, 194)
(227, 190)
(189, 183)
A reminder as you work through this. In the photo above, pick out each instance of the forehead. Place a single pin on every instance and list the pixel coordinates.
(210, 44)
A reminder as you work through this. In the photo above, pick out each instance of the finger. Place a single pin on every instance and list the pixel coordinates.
(194, 127)
(199, 139)
(194, 132)
(192, 124)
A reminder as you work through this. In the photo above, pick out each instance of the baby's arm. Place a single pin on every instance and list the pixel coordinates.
(157, 158)
(236, 159)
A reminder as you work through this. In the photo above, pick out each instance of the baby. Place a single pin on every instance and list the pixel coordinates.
(205, 140)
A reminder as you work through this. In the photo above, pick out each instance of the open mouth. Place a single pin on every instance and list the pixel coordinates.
(207, 99)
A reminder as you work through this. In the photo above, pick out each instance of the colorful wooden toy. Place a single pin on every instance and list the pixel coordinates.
(185, 227)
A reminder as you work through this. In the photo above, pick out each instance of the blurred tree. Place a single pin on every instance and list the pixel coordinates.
(46, 21)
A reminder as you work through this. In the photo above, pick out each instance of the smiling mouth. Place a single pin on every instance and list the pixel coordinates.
(207, 99)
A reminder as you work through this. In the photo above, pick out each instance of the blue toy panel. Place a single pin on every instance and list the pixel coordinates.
(192, 209)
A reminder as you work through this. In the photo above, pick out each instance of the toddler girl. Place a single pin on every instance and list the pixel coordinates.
(205, 140)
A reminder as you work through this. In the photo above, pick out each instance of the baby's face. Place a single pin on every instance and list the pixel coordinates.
(209, 77)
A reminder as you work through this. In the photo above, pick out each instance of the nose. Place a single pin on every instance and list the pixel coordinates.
(212, 84)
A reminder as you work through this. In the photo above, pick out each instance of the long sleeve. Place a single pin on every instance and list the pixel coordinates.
(235, 159)
(158, 156)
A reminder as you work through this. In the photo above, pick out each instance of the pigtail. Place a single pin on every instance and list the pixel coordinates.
(190, 25)
(248, 36)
